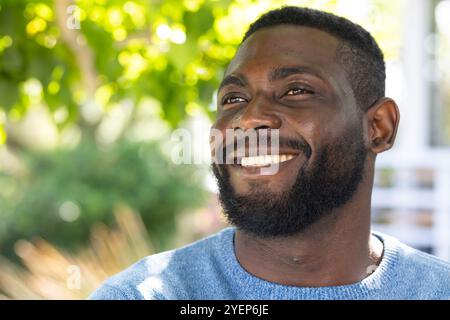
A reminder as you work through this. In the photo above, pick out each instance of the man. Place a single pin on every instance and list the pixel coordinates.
(302, 232)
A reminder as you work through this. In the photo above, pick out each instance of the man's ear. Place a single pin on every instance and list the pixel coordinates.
(382, 120)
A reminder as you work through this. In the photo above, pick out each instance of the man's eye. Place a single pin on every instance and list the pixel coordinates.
(298, 91)
(232, 100)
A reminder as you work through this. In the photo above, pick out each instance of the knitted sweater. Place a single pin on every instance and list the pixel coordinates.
(209, 269)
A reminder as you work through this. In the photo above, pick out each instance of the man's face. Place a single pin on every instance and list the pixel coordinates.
(288, 78)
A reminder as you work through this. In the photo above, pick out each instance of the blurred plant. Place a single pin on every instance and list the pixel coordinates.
(64, 192)
(166, 50)
(51, 273)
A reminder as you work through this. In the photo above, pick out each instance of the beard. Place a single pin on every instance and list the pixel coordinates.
(328, 183)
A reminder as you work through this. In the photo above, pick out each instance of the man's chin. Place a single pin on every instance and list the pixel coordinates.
(255, 189)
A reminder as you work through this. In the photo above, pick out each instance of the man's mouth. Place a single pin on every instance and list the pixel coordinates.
(253, 166)
(266, 160)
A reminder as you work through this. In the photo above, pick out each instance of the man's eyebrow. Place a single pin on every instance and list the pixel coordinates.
(284, 72)
(274, 75)
(233, 79)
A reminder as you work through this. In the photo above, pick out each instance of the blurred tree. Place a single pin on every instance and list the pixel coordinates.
(123, 49)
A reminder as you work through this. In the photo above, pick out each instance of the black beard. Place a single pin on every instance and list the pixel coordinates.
(330, 183)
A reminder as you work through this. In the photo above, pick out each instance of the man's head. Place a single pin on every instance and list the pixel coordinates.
(319, 80)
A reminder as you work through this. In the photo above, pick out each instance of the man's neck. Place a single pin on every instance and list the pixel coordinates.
(337, 250)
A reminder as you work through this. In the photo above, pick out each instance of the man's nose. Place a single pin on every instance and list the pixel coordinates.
(258, 114)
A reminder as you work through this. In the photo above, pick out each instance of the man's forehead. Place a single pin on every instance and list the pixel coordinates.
(286, 45)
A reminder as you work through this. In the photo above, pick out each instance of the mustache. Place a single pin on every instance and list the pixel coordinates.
(299, 145)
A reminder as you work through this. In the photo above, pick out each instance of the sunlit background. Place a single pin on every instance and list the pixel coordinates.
(91, 90)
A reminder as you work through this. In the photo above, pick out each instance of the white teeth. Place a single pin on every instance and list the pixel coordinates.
(259, 161)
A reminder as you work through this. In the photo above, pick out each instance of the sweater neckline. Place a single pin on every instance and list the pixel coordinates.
(251, 284)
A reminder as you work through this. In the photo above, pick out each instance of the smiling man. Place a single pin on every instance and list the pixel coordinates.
(302, 232)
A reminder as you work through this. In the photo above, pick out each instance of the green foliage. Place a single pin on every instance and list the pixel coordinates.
(167, 50)
(94, 180)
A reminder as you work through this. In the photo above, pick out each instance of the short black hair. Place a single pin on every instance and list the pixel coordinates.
(358, 52)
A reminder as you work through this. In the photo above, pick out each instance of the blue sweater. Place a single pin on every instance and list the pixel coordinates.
(208, 269)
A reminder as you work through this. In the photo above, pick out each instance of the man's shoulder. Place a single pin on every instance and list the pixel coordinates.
(158, 275)
(419, 260)
(429, 274)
